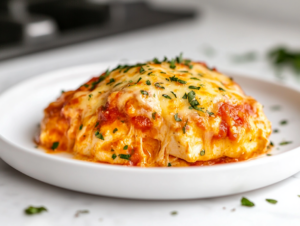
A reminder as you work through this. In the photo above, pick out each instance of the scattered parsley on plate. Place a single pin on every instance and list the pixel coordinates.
(246, 202)
(31, 210)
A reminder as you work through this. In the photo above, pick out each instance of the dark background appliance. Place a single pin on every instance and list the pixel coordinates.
(35, 25)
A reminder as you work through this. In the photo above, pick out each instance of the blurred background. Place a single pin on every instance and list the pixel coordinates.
(235, 35)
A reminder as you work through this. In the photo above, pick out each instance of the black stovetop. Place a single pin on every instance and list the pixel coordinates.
(35, 25)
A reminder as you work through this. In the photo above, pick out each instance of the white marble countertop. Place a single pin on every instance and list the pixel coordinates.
(228, 34)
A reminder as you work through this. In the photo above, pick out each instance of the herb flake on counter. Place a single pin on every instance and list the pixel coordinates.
(275, 108)
(79, 212)
(166, 96)
(115, 130)
(114, 156)
(110, 81)
(272, 201)
(194, 87)
(144, 92)
(174, 94)
(276, 131)
(31, 210)
(55, 145)
(285, 142)
(177, 119)
(173, 213)
(154, 115)
(283, 122)
(125, 147)
(80, 127)
(202, 152)
(246, 202)
(269, 154)
(148, 83)
(124, 156)
(99, 135)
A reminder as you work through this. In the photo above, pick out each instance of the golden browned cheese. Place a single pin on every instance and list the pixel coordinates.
(157, 114)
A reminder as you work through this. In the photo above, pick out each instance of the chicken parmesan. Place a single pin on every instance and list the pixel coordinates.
(159, 113)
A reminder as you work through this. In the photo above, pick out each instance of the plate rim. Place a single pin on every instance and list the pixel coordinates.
(85, 68)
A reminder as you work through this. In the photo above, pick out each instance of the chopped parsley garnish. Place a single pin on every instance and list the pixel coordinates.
(221, 89)
(194, 78)
(246, 202)
(86, 85)
(184, 128)
(193, 102)
(167, 79)
(184, 96)
(285, 142)
(154, 115)
(55, 145)
(202, 152)
(179, 58)
(276, 130)
(174, 94)
(150, 72)
(112, 150)
(169, 165)
(148, 82)
(272, 201)
(162, 72)
(100, 79)
(31, 210)
(99, 135)
(97, 123)
(80, 127)
(283, 122)
(165, 59)
(125, 147)
(90, 96)
(269, 154)
(177, 119)
(156, 61)
(115, 130)
(181, 81)
(110, 81)
(118, 84)
(144, 92)
(62, 91)
(114, 156)
(159, 86)
(194, 87)
(124, 156)
(139, 80)
(172, 64)
(271, 143)
(175, 79)
(142, 70)
(166, 96)
(209, 113)
(191, 66)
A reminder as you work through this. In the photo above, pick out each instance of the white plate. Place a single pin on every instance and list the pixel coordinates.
(22, 109)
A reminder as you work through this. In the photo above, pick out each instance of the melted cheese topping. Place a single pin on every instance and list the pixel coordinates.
(153, 114)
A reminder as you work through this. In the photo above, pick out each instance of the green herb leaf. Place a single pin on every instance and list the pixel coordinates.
(125, 147)
(110, 81)
(246, 202)
(165, 59)
(272, 201)
(79, 212)
(177, 119)
(86, 85)
(139, 80)
(156, 61)
(31, 210)
(169, 165)
(154, 115)
(90, 96)
(194, 87)
(144, 92)
(221, 89)
(210, 113)
(148, 82)
(184, 128)
(142, 70)
(202, 152)
(150, 72)
(117, 84)
(55, 145)
(184, 96)
(276, 131)
(99, 135)
(124, 156)
(174, 94)
(114, 156)
(159, 86)
(97, 123)
(179, 59)
(172, 64)
(283, 122)
(194, 78)
(80, 127)
(174, 213)
(166, 96)
(115, 130)
(285, 142)
(181, 81)
(191, 66)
